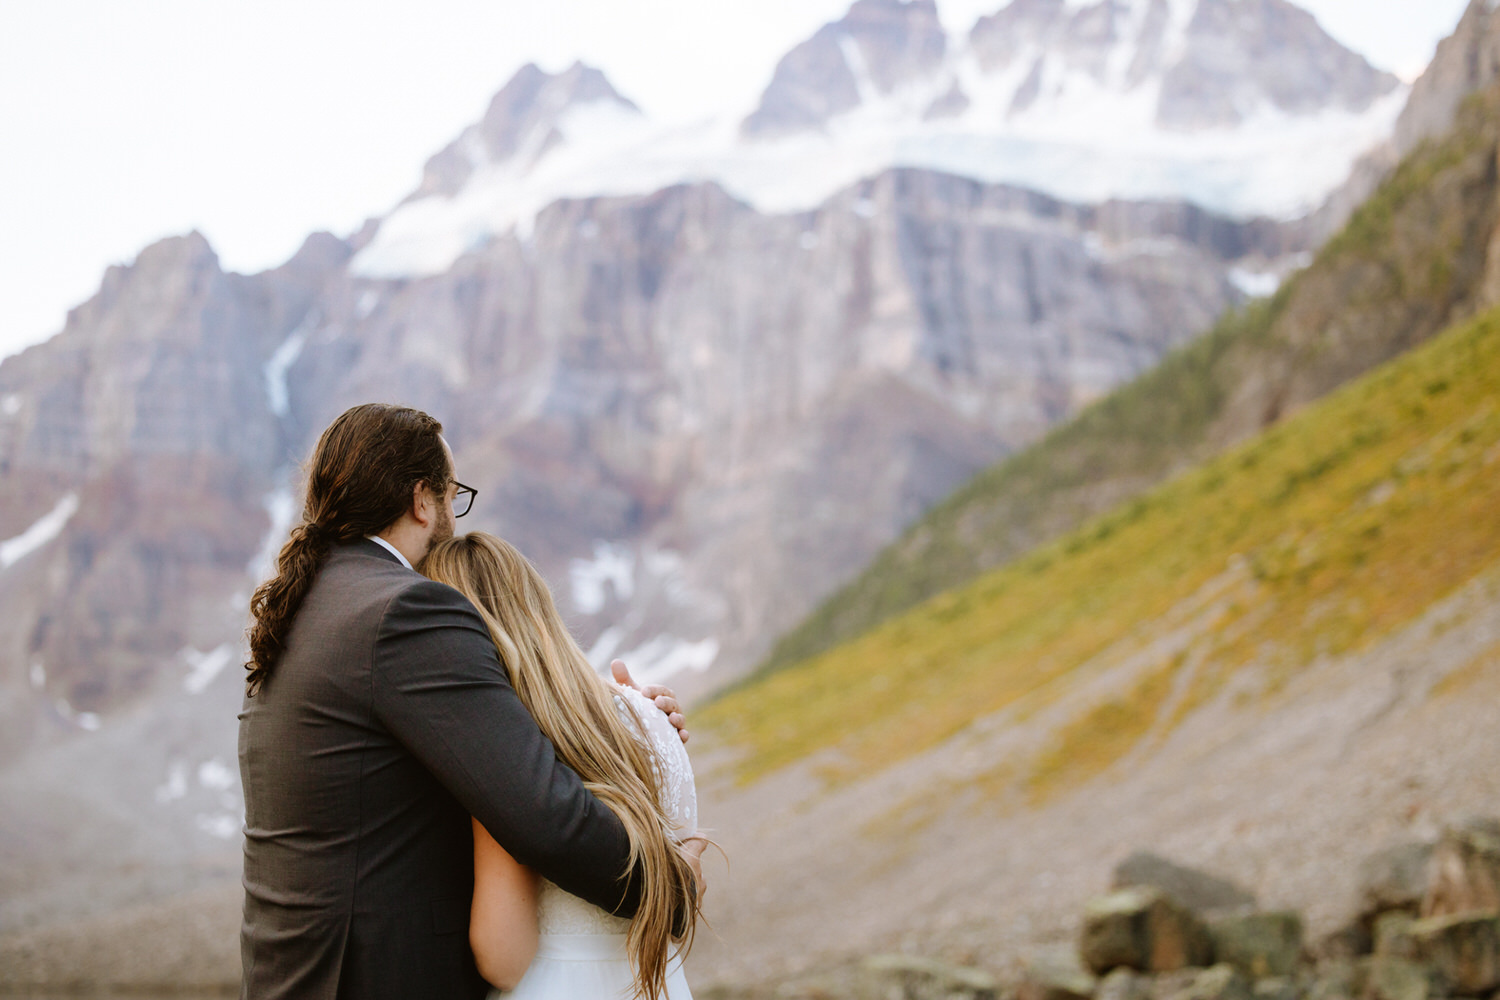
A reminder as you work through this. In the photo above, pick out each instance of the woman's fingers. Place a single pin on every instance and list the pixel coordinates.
(661, 696)
(621, 674)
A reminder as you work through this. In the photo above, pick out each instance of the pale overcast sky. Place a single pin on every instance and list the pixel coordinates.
(259, 121)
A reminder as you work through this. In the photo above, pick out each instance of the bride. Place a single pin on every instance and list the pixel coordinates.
(529, 936)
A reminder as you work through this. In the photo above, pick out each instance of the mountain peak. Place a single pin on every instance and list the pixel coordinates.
(871, 50)
(1211, 63)
(521, 122)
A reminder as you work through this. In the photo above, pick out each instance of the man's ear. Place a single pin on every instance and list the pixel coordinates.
(421, 504)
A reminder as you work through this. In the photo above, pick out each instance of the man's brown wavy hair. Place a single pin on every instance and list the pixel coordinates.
(360, 481)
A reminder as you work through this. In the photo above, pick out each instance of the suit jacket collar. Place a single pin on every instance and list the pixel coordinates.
(366, 547)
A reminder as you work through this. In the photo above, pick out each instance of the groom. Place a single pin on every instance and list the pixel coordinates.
(378, 719)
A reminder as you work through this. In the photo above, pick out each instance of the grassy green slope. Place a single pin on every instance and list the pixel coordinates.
(1345, 520)
(1410, 262)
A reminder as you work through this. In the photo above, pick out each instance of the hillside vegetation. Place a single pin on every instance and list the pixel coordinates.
(1314, 539)
(1411, 261)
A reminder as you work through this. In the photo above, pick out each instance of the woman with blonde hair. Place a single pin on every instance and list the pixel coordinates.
(528, 935)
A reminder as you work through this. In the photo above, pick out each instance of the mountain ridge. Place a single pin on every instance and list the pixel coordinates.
(1246, 109)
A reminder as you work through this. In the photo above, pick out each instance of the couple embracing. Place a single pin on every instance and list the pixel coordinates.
(441, 796)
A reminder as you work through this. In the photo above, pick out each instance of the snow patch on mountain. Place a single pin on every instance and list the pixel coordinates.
(204, 667)
(281, 507)
(176, 784)
(662, 656)
(611, 565)
(44, 530)
(280, 363)
(1100, 145)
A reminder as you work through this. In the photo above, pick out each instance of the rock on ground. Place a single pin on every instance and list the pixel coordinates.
(1141, 928)
(1259, 944)
(1463, 950)
(1464, 875)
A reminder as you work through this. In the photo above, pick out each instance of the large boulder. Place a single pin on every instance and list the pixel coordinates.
(1463, 950)
(1394, 879)
(1196, 890)
(912, 977)
(1464, 875)
(1259, 944)
(1055, 974)
(1142, 928)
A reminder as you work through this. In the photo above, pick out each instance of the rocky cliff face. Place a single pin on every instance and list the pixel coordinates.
(701, 417)
(136, 447)
(1466, 61)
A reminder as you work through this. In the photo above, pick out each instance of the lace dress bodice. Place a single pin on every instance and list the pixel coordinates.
(560, 912)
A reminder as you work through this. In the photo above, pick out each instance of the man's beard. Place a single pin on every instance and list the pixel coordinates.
(444, 529)
(441, 532)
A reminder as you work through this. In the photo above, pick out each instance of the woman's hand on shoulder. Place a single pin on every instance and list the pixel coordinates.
(661, 697)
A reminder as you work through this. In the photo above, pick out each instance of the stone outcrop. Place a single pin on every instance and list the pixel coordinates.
(1141, 928)
(1463, 950)
(1260, 945)
(1258, 955)
(1464, 871)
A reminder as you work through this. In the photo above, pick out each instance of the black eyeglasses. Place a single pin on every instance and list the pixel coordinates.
(463, 499)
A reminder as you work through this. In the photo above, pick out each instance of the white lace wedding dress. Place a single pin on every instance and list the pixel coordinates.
(582, 954)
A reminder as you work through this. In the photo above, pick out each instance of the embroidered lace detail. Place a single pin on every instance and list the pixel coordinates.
(560, 912)
(669, 759)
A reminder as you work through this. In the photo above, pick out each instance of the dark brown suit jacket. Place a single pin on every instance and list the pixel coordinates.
(387, 723)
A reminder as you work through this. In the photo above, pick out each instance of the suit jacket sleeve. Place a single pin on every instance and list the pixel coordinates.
(440, 689)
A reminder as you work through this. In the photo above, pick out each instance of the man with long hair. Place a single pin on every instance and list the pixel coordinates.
(377, 720)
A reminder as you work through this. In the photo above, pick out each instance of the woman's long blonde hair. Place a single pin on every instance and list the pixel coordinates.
(576, 710)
